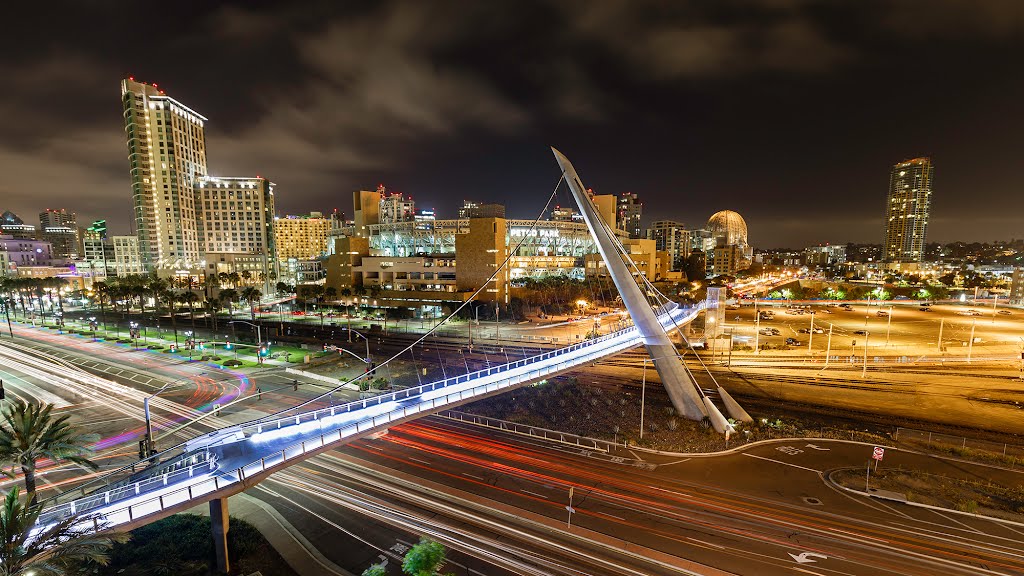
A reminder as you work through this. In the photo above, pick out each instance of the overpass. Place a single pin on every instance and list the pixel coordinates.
(214, 466)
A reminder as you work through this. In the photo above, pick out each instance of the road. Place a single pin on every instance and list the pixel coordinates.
(756, 512)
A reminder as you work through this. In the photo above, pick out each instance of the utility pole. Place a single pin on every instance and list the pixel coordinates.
(867, 311)
(942, 324)
(995, 299)
(970, 345)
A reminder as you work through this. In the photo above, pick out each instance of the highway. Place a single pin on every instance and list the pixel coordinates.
(755, 512)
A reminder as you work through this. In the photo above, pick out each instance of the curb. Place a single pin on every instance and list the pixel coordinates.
(834, 484)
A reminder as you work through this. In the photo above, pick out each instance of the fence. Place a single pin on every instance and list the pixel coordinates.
(535, 431)
(1013, 453)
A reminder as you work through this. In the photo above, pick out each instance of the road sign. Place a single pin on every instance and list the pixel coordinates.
(878, 453)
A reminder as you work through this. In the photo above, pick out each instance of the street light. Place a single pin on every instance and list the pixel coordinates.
(150, 442)
(133, 333)
(363, 336)
(259, 333)
(93, 325)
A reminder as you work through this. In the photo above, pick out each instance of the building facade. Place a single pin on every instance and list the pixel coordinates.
(907, 209)
(672, 237)
(472, 209)
(630, 211)
(18, 253)
(13, 226)
(60, 229)
(823, 256)
(302, 237)
(127, 257)
(237, 226)
(395, 207)
(166, 154)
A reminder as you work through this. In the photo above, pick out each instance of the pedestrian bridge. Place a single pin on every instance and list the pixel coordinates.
(235, 458)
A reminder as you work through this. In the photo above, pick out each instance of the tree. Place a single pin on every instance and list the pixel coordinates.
(252, 297)
(229, 295)
(376, 570)
(56, 551)
(190, 298)
(424, 559)
(29, 433)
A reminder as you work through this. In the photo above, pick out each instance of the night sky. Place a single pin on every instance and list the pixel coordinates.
(790, 112)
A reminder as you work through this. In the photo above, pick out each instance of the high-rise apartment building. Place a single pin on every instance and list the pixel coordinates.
(630, 210)
(907, 208)
(127, 259)
(301, 237)
(166, 153)
(237, 225)
(60, 229)
(671, 237)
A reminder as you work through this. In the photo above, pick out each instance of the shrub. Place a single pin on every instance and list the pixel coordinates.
(229, 363)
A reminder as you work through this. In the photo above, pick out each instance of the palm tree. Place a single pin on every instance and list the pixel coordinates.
(29, 433)
(102, 290)
(235, 278)
(252, 297)
(157, 287)
(229, 295)
(57, 550)
(246, 276)
(190, 298)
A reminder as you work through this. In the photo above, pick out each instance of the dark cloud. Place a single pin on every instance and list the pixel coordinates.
(789, 111)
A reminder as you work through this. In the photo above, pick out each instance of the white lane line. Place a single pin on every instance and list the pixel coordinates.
(783, 463)
(958, 522)
(676, 462)
(473, 476)
(719, 546)
(1001, 525)
(535, 494)
(636, 456)
(418, 460)
(805, 571)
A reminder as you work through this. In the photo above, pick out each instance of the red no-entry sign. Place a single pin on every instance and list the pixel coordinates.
(878, 453)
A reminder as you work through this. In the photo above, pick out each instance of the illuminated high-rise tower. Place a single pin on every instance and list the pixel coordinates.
(907, 209)
(166, 152)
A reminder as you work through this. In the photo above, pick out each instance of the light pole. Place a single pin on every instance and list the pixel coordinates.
(363, 336)
(643, 393)
(92, 324)
(133, 332)
(757, 328)
(942, 324)
(828, 347)
(810, 337)
(970, 345)
(259, 333)
(888, 325)
(150, 442)
(190, 342)
(864, 370)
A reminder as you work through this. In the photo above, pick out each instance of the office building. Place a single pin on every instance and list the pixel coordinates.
(13, 226)
(565, 214)
(471, 209)
(824, 256)
(907, 209)
(646, 260)
(302, 237)
(18, 253)
(60, 229)
(671, 237)
(630, 210)
(395, 207)
(166, 153)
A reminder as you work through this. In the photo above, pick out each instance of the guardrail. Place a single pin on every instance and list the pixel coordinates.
(534, 431)
(199, 482)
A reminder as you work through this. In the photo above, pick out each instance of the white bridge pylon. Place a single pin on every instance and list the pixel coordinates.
(686, 396)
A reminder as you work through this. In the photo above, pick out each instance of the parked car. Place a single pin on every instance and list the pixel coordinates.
(882, 313)
(804, 330)
(925, 309)
(861, 332)
(1005, 313)
(766, 332)
(793, 341)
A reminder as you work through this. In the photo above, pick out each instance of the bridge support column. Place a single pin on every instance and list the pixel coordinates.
(219, 529)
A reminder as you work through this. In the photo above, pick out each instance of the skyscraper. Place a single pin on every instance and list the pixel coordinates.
(906, 211)
(166, 153)
(236, 217)
(60, 229)
(671, 237)
(629, 213)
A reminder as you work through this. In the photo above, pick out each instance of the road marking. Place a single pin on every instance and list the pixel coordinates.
(676, 462)
(804, 570)
(805, 557)
(535, 494)
(418, 460)
(783, 463)
(719, 546)
(473, 476)
(958, 522)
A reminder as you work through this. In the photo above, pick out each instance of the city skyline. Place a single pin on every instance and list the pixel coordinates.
(743, 109)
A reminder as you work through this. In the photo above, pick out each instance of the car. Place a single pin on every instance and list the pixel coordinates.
(882, 313)
(973, 313)
(817, 330)
(804, 330)
(825, 311)
(925, 309)
(793, 341)
(766, 332)
(861, 332)
(1005, 313)
(775, 332)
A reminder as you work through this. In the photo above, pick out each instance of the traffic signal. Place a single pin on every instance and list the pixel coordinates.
(3, 393)
(227, 345)
(202, 345)
(142, 450)
(174, 348)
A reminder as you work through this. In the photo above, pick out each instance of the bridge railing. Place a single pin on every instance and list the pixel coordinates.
(199, 479)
